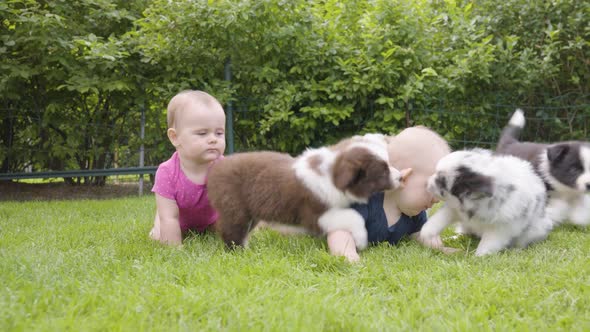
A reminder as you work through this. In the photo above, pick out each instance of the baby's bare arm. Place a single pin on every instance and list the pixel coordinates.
(167, 213)
(341, 243)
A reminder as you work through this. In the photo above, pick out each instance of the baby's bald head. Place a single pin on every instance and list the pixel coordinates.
(190, 100)
(418, 148)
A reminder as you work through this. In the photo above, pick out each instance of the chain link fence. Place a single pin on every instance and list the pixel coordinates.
(25, 137)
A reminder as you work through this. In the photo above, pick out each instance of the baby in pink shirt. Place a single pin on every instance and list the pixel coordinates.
(196, 128)
(194, 210)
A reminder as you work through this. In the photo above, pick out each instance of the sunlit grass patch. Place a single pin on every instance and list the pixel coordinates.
(89, 265)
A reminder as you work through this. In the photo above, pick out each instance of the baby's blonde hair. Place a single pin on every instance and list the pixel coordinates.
(418, 148)
(182, 100)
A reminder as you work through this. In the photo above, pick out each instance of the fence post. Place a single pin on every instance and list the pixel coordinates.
(141, 147)
(409, 107)
(229, 137)
(10, 136)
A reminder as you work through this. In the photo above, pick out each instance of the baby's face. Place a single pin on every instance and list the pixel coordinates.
(201, 133)
(413, 197)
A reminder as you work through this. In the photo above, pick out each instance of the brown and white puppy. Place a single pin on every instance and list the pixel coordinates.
(312, 191)
(564, 166)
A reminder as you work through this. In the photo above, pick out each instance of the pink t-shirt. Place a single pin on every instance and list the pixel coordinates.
(195, 211)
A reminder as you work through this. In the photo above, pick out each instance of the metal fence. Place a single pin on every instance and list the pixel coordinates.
(464, 124)
(464, 127)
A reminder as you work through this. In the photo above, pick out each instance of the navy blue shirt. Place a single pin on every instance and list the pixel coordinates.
(376, 221)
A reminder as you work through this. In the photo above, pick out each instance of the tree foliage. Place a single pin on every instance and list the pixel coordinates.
(68, 82)
(76, 74)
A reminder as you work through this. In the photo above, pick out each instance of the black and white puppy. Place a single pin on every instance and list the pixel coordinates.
(564, 166)
(498, 198)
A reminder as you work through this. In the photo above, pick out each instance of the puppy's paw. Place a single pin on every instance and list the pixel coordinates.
(580, 215)
(480, 253)
(361, 239)
(485, 251)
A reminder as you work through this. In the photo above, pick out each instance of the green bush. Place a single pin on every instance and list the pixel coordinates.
(304, 73)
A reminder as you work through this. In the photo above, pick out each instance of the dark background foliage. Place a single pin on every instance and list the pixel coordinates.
(76, 75)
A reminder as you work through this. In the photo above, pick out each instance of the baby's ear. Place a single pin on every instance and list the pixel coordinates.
(405, 173)
(171, 132)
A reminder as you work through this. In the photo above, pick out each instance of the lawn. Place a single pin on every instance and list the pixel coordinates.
(88, 265)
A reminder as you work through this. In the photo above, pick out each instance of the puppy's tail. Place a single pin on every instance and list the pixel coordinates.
(511, 132)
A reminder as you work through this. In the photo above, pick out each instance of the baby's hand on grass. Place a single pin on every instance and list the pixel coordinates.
(434, 242)
(352, 257)
(429, 240)
(342, 243)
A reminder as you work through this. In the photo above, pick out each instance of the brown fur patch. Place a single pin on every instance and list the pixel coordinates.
(247, 187)
(361, 172)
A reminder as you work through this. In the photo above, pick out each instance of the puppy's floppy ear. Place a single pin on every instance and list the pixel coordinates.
(472, 184)
(441, 182)
(556, 152)
(347, 171)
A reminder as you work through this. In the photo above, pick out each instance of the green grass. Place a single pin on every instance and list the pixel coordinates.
(89, 265)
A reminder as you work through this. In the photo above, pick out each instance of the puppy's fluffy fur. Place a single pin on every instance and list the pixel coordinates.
(564, 166)
(498, 198)
(312, 191)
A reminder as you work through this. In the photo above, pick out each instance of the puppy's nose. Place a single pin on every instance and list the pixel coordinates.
(430, 186)
(587, 186)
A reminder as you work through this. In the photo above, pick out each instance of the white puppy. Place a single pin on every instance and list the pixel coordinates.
(498, 198)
